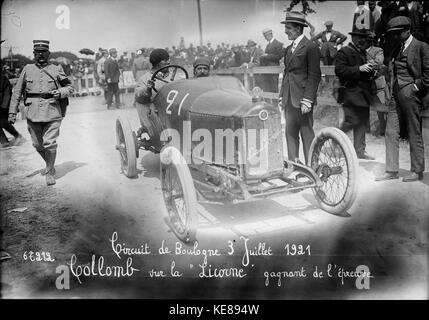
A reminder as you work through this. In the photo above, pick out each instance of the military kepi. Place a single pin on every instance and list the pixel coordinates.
(295, 17)
(41, 45)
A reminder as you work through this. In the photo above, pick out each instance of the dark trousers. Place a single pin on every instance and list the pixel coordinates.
(356, 119)
(408, 107)
(112, 89)
(4, 124)
(328, 60)
(382, 119)
(296, 124)
(392, 139)
(269, 82)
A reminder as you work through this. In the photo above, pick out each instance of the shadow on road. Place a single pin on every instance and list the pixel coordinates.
(66, 167)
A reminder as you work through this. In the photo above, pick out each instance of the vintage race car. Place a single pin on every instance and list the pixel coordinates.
(218, 142)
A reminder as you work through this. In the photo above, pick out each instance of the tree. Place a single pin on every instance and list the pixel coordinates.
(306, 9)
(70, 56)
(18, 61)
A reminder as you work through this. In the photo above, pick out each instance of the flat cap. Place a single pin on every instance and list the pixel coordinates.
(295, 17)
(398, 23)
(329, 23)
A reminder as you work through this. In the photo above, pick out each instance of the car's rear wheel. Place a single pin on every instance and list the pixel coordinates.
(179, 194)
(126, 145)
(334, 159)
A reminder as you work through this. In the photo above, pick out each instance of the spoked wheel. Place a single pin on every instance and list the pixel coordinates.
(334, 159)
(179, 194)
(126, 145)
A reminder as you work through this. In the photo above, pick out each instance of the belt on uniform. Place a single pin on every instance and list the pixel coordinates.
(40, 95)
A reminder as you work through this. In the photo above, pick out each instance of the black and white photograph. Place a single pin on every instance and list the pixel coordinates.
(240, 150)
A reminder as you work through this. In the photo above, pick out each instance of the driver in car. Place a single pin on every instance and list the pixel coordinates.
(144, 92)
(201, 67)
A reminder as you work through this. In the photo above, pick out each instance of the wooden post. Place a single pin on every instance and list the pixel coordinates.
(200, 24)
(246, 80)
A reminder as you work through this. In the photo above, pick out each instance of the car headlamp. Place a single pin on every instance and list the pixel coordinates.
(256, 94)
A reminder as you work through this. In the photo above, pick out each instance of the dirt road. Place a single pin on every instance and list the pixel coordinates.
(386, 230)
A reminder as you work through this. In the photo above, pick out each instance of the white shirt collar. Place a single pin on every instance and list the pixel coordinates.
(407, 43)
(298, 40)
(271, 41)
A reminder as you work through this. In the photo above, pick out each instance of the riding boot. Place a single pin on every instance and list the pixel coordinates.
(50, 166)
(43, 155)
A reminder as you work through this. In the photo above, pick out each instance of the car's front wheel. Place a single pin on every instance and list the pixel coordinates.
(334, 159)
(179, 194)
(126, 145)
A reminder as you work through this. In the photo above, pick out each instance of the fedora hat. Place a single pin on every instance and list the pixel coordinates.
(251, 43)
(360, 32)
(295, 17)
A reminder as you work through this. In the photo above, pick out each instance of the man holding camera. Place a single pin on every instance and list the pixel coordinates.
(355, 75)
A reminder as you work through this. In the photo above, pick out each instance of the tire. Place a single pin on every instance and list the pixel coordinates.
(126, 145)
(177, 184)
(333, 158)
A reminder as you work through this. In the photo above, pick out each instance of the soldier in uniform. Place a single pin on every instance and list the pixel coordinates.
(42, 85)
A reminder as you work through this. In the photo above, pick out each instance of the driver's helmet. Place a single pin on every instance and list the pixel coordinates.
(202, 61)
(158, 55)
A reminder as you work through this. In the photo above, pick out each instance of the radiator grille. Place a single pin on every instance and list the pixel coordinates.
(268, 141)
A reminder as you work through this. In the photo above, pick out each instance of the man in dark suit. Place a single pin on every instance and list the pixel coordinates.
(300, 82)
(416, 16)
(411, 92)
(329, 39)
(273, 53)
(112, 73)
(355, 74)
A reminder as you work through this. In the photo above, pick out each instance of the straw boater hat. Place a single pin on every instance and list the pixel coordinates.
(267, 31)
(295, 17)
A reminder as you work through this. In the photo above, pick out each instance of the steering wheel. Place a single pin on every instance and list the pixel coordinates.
(173, 74)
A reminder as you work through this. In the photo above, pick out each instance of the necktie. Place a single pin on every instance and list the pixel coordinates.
(294, 46)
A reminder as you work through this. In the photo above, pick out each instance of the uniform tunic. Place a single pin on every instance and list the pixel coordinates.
(34, 80)
(43, 114)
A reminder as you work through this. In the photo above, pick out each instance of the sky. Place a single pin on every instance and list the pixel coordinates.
(131, 24)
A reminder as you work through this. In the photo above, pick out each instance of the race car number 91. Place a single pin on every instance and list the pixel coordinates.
(171, 96)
